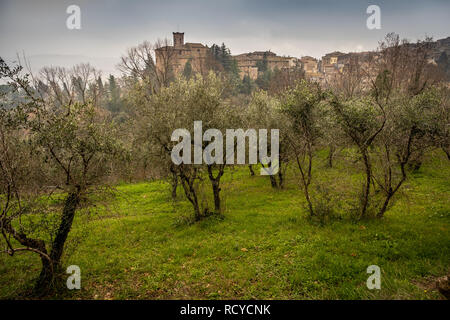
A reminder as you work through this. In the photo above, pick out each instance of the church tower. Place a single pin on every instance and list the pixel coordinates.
(178, 39)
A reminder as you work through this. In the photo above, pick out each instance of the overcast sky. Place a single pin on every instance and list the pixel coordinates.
(296, 28)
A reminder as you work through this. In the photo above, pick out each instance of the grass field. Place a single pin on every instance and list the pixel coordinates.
(265, 247)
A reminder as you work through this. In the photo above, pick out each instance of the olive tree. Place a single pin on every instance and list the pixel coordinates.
(71, 144)
(411, 127)
(179, 106)
(362, 123)
(264, 113)
(301, 105)
(394, 79)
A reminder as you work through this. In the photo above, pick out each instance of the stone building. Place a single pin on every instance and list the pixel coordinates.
(180, 53)
(248, 62)
(331, 66)
(330, 63)
(309, 65)
(175, 57)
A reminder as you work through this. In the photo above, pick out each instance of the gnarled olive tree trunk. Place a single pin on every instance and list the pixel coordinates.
(51, 267)
(215, 182)
(368, 172)
(173, 182)
(188, 184)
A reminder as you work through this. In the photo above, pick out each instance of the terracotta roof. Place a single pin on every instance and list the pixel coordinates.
(195, 45)
(308, 58)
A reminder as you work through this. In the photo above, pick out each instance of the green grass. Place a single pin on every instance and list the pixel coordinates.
(265, 247)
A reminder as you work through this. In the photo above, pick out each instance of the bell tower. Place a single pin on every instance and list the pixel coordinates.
(178, 39)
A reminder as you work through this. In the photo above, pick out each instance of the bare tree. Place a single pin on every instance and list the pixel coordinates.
(151, 63)
(64, 86)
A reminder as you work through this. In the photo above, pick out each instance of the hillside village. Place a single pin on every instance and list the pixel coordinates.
(321, 70)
